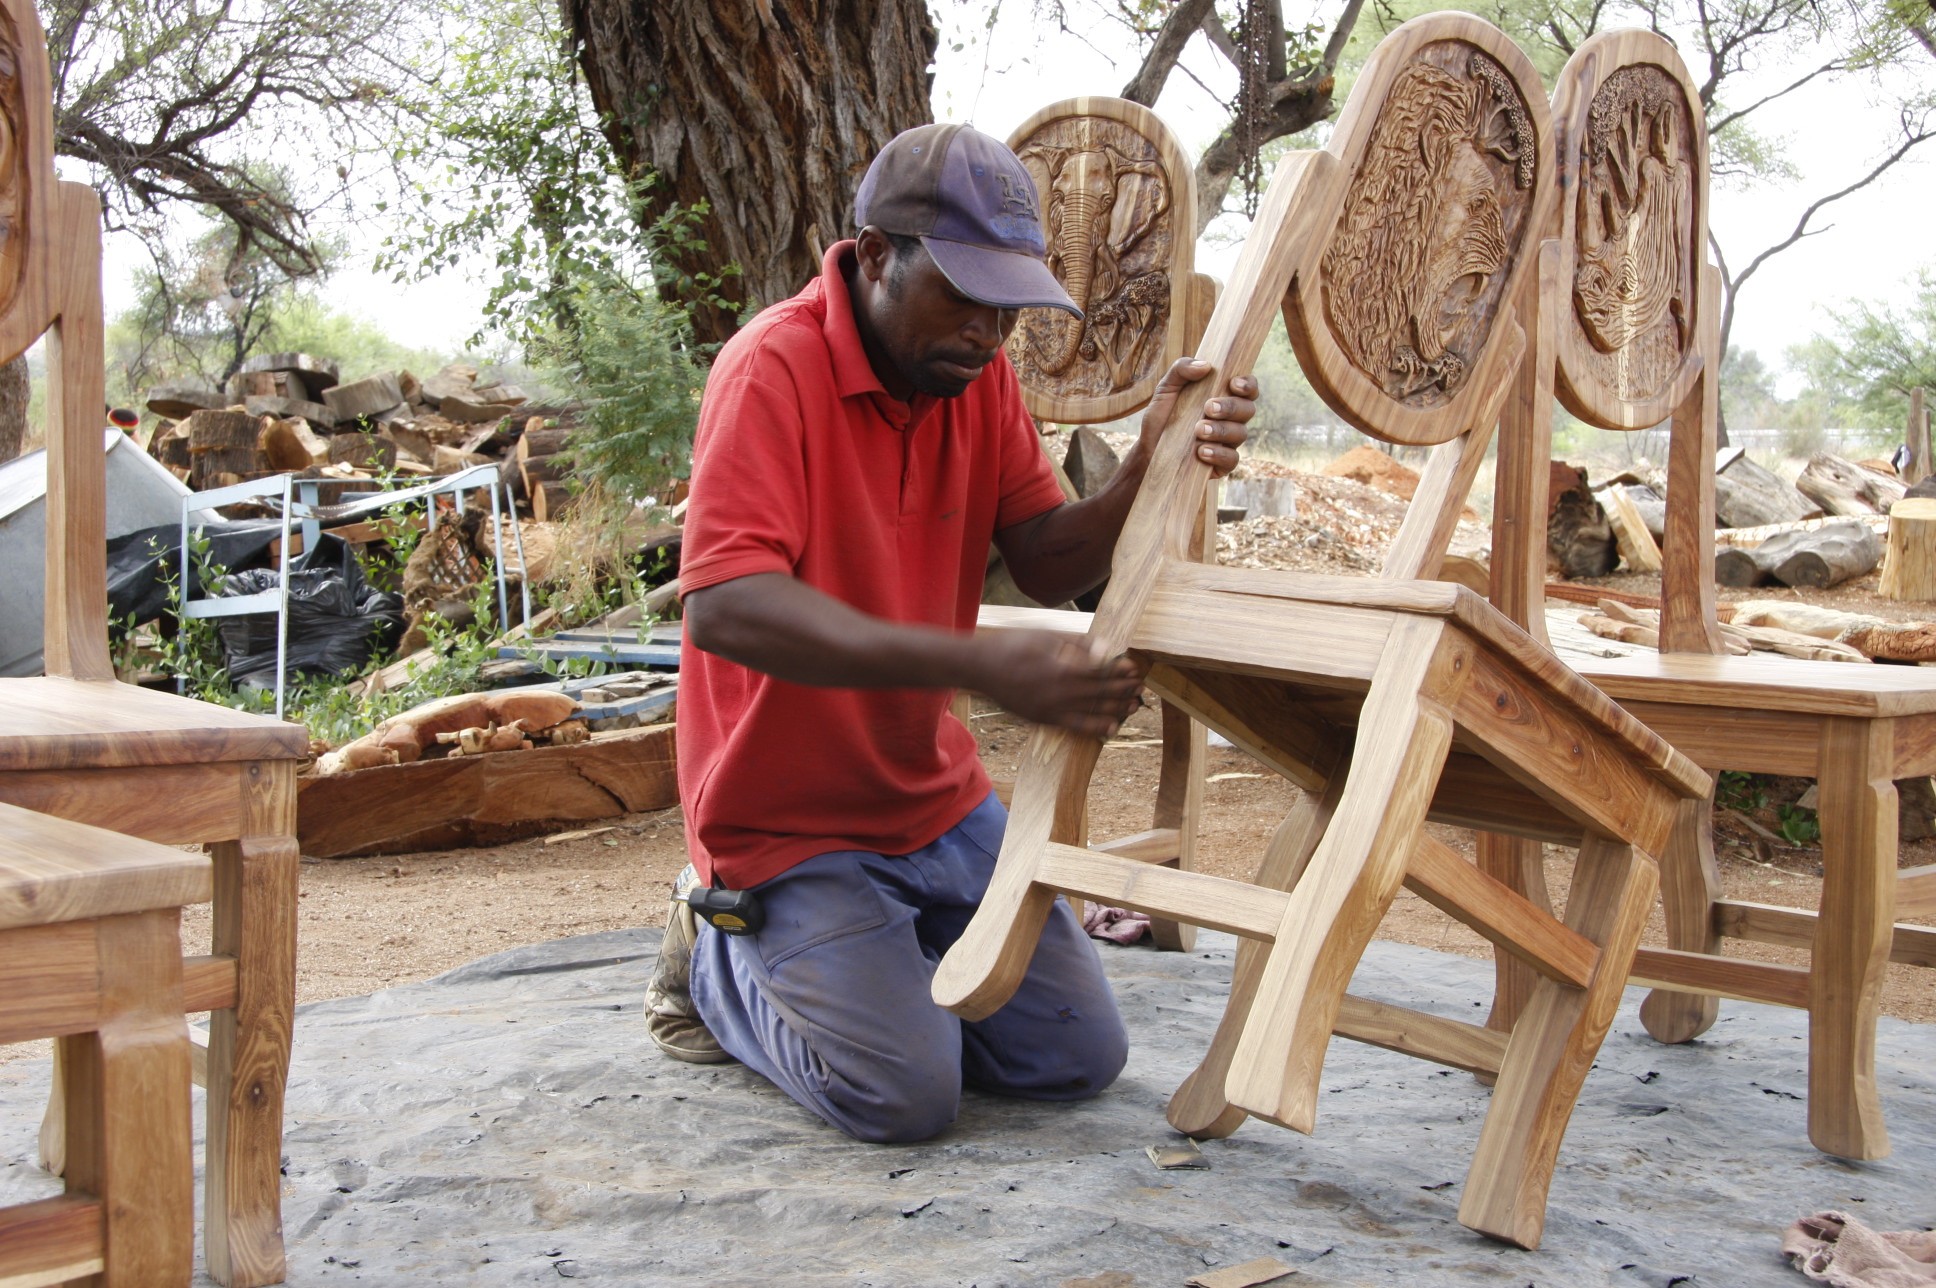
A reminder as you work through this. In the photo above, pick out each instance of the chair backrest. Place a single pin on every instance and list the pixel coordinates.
(1632, 307)
(1398, 256)
(50, 284)
(1118, 200)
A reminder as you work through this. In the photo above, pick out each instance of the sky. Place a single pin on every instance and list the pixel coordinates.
(1868, 248)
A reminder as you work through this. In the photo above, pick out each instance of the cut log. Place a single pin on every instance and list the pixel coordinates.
(410, 387)
(365, 397)
(1089, 462)
(550, 501)
(316, 374)
(466, 409)
(483, 800)
(450, 460)
(1916, 436)
(542, 469)
(179, 401)
(1841, 486)
(1752, 537)
(1738, 568)
(1579, 540)
(290, 444)
(1820, 558)
(454, 380)
(221, 442)
(1749, 496)
(1637, 548)
(369, 452)
(508, 395)
(546, 440)
(1909, 568)
(412, 440)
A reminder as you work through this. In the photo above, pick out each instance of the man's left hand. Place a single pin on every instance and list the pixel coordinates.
(1221, 431)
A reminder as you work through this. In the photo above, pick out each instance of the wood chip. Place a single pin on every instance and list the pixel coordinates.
(1261, 1271)
(1184, 1155)
(559, 838)
(1218, 778)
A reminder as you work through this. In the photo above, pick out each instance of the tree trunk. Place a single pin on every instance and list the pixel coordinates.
(15, 391)
(767, 111)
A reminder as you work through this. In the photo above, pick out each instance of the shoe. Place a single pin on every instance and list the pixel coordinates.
(670, 1017)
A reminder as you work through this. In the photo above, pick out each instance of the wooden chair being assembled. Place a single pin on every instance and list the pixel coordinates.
(90, 954)
(1118, 196)
(1398, 255)
(1628, 336)
(76, 744)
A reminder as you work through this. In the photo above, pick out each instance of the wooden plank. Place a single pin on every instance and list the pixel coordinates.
(50, 976)
(50, 1241)
(1722, 976)
(1195, 897)
(1909, 945)
(1157, 845)
(208, 982)
(1503, 916)
(50, 722)
(170, 804)
(1916, 893)
(621, 651)
(1637, 548)
(1759, 682)
(1275, 638)
(475, 800)
(1414, 1033)
(53, 869)
(1763, 742)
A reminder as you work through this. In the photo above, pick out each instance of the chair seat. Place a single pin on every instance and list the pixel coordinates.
(1763, 682)
(50, 722)
(53, 870)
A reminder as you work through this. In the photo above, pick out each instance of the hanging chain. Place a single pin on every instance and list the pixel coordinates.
(1254, 34)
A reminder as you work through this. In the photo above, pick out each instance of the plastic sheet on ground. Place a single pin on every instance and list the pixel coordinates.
(508, 1123)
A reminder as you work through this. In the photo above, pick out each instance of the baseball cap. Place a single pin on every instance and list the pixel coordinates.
(973, 205)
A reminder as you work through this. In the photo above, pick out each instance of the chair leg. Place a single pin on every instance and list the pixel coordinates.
(1852, 936)
(1399, 752)
(1554, 1045)
(1199, 1107)
(986, 965)
(248, 1047)
(1179, 803)
(1689, 885)
(128, 1134)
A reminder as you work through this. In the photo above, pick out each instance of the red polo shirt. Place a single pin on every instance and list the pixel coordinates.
(804, 465)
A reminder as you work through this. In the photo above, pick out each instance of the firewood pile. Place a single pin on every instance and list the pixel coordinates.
(292, 412)
(1342, 525)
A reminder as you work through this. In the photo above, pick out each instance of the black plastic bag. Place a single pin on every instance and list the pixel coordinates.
(143, 563)
(337, 622)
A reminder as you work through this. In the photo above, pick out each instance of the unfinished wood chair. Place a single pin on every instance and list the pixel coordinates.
(1628, 336)
(90, 954)
(1397, 255)
(1118, 196)
(75, 743)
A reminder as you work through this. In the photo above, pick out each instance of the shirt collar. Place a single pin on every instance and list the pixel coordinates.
(853, 373)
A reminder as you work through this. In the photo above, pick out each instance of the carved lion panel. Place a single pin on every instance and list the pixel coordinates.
(13, 164)
(1112, 222)
(1634, 232)
(1435, 215)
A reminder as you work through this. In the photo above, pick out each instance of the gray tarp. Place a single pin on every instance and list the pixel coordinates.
(508, 1123)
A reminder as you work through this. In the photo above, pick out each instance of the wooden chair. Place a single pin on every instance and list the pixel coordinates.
(1397, 255)
(1118, 194)
(1628, 336)
(76, 744)
(90, 954)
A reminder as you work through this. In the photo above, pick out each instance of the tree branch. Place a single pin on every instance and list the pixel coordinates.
(1171, 38)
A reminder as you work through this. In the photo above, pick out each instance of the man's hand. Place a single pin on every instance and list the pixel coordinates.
(1055, 679)
(1221, 432)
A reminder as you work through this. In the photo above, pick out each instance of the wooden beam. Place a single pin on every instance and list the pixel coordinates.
(1764, 923)
(1510, 920)
(51, 1241)
(1158, 845)
(1414, 1033)
(1196, 897)
(208, 983)
(1723, 976)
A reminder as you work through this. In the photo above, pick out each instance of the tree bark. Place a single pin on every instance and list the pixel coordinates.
(765, 111)
(15, 391)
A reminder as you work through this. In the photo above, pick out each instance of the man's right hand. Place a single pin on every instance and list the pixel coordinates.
(1055, 679)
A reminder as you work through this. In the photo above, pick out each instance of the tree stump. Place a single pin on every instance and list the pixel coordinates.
(1909, 568)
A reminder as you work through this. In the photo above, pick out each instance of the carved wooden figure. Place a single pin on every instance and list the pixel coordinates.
(1627, 335)
(76, 744)
(1387, 700)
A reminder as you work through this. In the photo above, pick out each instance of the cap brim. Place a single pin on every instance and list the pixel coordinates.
(1005, 279)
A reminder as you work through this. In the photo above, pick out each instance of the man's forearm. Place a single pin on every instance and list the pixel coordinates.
(783, 627)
